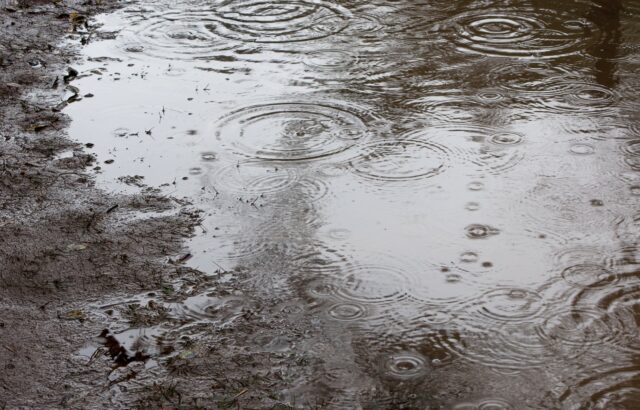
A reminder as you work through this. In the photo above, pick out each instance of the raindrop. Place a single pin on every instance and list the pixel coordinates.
(347, 311)
(453, 278)
(405, 365)
(472, 206)
(339, 234)
(582, 149)
(475, 186)
(490, 96)
(208, 156)
(134, 49)
(506, 139)
(494, 404)
(469, 257)
(479, 231)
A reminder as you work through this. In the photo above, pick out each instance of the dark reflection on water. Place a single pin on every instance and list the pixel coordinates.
(451, 188)
(606, 15)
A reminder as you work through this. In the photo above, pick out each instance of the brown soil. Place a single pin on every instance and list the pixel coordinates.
(63, 242)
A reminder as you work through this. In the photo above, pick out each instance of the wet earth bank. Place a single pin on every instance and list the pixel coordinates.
(387, 205)
(63, 242)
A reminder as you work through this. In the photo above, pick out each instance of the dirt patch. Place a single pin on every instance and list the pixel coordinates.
(63, 242)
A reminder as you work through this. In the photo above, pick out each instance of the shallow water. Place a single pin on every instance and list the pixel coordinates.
(453, 184)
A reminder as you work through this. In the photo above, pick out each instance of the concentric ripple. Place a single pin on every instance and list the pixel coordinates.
(625, 259)
(174, 35)
(475, 186)
(330, 59)
(480, 231)
(520, 347)
(203, 307)
(508, 304)
(291, 131)
(278, 22)
(582, 149)
(579, 97)
(505, 345)
(490, 96)
(232, 243)
(431, 317)
(579, 327)
(347, 311)
(578, 254)
(522, 32)
(338, 234)
(609, 388)
(485, 149)
(251, 178)
(485, 404)
(494, 404)
(469, 257)
(366, 25)
(318, 262)
(506, 138)
(311, 188)
(589, 275)
(402, 160)
(626, 317)
(622, 304)
(631, 154)
(559, 209)
(405, 365)
(532, 77)
(496, 161)
(373, 284)
(447, 108)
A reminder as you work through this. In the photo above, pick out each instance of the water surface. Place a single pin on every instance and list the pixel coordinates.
(453, 185)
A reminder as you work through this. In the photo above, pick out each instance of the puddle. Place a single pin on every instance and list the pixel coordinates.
(434, 182)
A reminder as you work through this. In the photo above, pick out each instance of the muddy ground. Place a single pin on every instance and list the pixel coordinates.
(66, 247)
(63, 241)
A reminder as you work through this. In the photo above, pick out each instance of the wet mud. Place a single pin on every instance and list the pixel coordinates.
(63, 241)
(321, 204)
